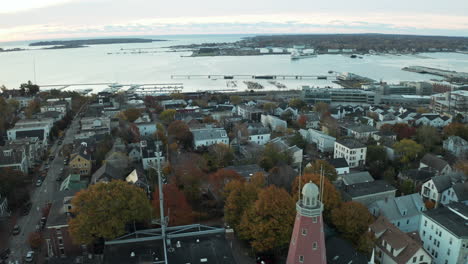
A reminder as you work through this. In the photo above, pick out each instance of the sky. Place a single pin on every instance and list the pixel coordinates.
(55, 19)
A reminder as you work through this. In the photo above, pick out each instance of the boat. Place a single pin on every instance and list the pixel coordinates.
(353, 56)
(296, 55)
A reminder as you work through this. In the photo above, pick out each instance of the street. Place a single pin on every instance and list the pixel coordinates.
(40, 196)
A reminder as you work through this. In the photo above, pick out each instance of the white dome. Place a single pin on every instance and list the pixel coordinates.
(310, 190)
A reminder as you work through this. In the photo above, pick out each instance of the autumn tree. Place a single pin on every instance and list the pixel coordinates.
(189, 171)
(180, 133)
(272, 156)
(321, 108)
(104, 209)
(235, 99)
(462, 166)
(218, 156)
(177, 96)
(428, 136)
(220, 178)
(297, 103)
(456, 129)
(318, 166)
(33, 107)
(268, 223)
(12, 187)
(403, 130)
(29, 88)
(422, 110)
(408, 150)
(269, 107)
(131, 114)
(331, 196)
(302, 121)
(352, 219)
(240, 195)
(330, 124)
(167, 116)
(35, 240)
(175, 205)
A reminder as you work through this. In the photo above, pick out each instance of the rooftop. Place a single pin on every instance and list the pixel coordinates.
(338, 163)
(397, 207)
(454, 218)
(368, 188)
(357, 177)
(350, 143)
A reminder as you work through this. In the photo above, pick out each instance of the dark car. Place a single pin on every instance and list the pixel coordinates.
(265, 259)
(16, 230)
(4, 254)
(26, 208)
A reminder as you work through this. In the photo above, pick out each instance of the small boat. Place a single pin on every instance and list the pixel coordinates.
(353, 56)
(296, 55)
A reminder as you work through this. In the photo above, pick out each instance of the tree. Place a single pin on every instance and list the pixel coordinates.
(12, 186)
(389, 175)
(220, 178)
(218, 156)
(456, 129)
(322, 165)
(331, 125)
(408, 150)
(235, 99)
(269, 222)
(297, 103)
(104, 209)
(406, 187)
(175, 205)
(272, 156)
(352, 219)
(189, 173)
(35, 240)
(180, 133)
(102, 148)
(29, 88)
(302, 121)
(33, 107)
(376, 159)
(297, 140)
(462, 165)
(403, 130)
(269, 107)
(167, 116)
(428, 136)
(131, 114)
(331, 196)
(240, 195)
(422, 110)
(321, 108)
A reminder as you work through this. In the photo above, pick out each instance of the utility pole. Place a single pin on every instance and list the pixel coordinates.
(161, 203)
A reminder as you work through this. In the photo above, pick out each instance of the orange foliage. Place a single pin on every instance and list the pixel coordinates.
(175, 205)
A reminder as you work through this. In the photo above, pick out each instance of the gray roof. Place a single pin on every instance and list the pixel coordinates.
(457, 140)
(454, 222)
(421, 175)
(433, 161)
(57, 215)
(368, 188)
(204, 134)
(461, 190)
(363, 128)
(107, 172)
(15, 156)
(351, 143)
(442, 183)
(397, 207)
(340, 251)
(357, 177)
(338, 163)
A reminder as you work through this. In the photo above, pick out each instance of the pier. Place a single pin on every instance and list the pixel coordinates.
(257, 77)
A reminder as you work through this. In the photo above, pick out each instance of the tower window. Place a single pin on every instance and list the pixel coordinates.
(314, 219)
(301, 259)
(304, 231)
(314, 246)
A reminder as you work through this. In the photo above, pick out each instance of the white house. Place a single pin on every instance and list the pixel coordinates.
(273, 122)
(324, 142)
(279, 111)
(145, 126)
(433, 188)
(56, 106)
(259, 134)
(444, 233)
(13, 158)
(359, 131)
(393, 246)
(457, 146)
(296, 152)
(435, 163)
(432, 119)
(208, 136)
(39, 128)
(457, 193)
(31, 147)
(341, 165)
(352, 150)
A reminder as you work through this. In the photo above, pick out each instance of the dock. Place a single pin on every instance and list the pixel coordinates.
(257, 77)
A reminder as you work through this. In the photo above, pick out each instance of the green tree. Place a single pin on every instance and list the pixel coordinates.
(376, 160)
(167, 116)
(235, 99)
(131, 114)
(352, 219)
(408, 150)
(322, 165)
(104, 209)
(406, 187)
(12, 186)
(268, 223)
(297, 103)
(297, 140)
(389, 175)
(180, 133)
(456, 129)
(272, 156)
(321, 108)
(269, 107)
(428, 136)
(29, 88)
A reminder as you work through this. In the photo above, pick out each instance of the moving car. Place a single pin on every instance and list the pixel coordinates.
(16, 230)
(38, 182)
(29, 256)
(26, 208)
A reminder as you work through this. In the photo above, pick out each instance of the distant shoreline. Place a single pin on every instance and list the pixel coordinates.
(83, 42)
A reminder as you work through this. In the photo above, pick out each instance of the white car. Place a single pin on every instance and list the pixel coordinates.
(29, 256)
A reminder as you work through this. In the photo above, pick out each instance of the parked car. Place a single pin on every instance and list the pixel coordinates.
(59, 178)
(4, 254)
(26, 208)
(38, 182)
(43, 222)
(16, 230)
(29, 256)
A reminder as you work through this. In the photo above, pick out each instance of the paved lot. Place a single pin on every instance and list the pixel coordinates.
(40, 196)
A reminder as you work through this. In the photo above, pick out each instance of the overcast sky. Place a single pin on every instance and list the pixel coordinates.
(44, 19)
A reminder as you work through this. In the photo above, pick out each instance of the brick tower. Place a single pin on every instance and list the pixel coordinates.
(307, 244)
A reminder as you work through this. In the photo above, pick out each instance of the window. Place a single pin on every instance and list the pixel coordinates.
(425, 222)
(421, 258)
(407, 221)
(62, 251)
(304, 231)
(60, 241)
(424, 233)
(301, 259)
(430, 237)
(314, 246)
(414, 259)
(450, 241)
(448, 252)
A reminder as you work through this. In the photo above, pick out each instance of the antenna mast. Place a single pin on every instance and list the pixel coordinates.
(161, 203)
(322, 180)
(300, 179)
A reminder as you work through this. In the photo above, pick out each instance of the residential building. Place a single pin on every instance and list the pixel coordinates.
(341, 166)
(457, 146)
(73, 182)
(433, 188)
(61, 106)
(14, 158)
(444, 233)
(394, 246)
(279, 111)
(368, 192)
(39, 128)
(356, 177)
(274, 123)
(145, 126)
(295, 152)
(31, 146)
(417, 177)
(341, 251)
(138, 178)
(352, 150)
(173, 104)
(258, 133)
(106, 173)
(440, 166)
(150, 157)
(209, 135)
(249, 112)
(431, 119)
(404, 212)
(453, 101)
(308, 240)
(95, 124)
(457, 193)
(359, 131)
(57, 237)
(324, 142)
(312, 120)
(81, 162)
(4, 211)
(23, 100)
